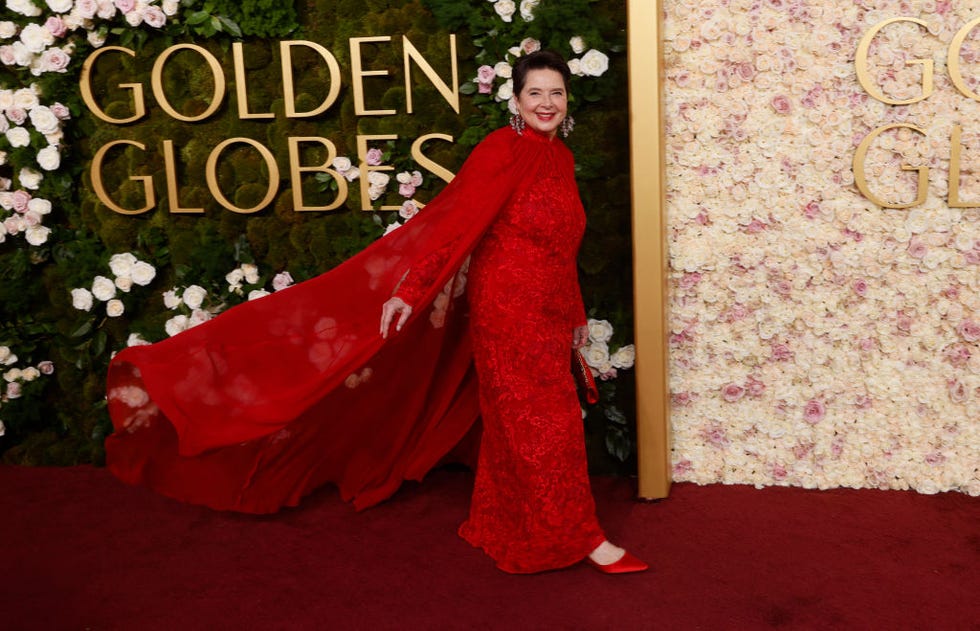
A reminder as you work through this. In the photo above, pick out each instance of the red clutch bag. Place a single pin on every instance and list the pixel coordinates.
(584, 378)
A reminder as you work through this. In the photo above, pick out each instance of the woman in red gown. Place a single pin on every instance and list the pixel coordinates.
(257, 407)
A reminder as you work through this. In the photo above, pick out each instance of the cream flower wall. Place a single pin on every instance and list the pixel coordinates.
(819, 339)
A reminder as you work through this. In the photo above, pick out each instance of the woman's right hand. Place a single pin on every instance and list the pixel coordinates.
(391, 308)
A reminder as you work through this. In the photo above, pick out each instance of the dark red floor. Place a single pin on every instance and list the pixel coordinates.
(82, 551)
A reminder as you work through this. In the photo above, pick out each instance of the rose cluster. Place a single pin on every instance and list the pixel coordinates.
(15, 377)
(603, 363)
(196, 307)
(817, 339)
(26, 122)
(127, 271)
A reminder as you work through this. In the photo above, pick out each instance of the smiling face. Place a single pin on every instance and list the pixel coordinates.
(543, 101)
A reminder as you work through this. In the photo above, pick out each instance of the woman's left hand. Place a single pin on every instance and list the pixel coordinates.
(580, 336)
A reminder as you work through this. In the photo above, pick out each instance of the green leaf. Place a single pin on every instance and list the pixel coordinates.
(198, 17)
(468, 88)
(83, 330)
(230, 26)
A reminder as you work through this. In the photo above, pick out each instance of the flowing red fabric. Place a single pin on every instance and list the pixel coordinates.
(254, 409)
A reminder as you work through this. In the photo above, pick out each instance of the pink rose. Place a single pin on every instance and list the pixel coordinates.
(408, 210)
(814, 411)
(373, 157)
(16, 115)
(55, 60)
(46, 367)
(715, 435)
(781, 352)
(917, 249)
(681, 398)
(406, 190)
(530, 45)
(282, 280)
(755, 387)
(779, 472)
(811, 210)
(903, 321)
(969, 330)
(972, 257)
(154, 17)
(60, 111)
(416, 179)
(7, 56)
(484, 88)
(13, 390)
(935, 458)
(485, 74)
(957, 391)
(781, 104)
(732, 392)
(690, 280)
(745, 71)
(20, 199)
(683, 466)
(125, 5)
(860, 287)
(867, 344)
(56, 26)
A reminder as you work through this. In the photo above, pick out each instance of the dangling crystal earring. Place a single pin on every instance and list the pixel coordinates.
(517, 123)
(567, 126)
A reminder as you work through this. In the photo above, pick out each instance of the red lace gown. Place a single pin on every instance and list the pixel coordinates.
(532, 506)
(257, 407)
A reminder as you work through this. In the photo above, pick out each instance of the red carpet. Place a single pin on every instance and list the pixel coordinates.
(82, 551)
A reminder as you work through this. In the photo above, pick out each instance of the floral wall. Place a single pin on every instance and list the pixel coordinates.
(79, 281)
(819, 339)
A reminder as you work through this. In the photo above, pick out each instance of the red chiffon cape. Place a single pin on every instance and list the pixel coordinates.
(255, 408)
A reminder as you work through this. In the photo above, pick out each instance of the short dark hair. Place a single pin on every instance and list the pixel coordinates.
(538, 60)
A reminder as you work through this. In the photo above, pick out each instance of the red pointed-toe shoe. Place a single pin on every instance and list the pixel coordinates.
(626, 565)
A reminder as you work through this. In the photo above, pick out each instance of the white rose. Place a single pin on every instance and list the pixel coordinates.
(81, 299)
(103, 288)
(374, 191)
(44, 120)
(7, 29)
(171, 300)
(506, 90)
(600, 330)
(30, 373)
(4, 354)
(341, 164)
(85, 9)
(135, 17)
(29, 178)
(170, 7)
(624, 357)
(39, 206)
(394, 225)
(16, 53)
(404, 177)
(194, 296)
(3, 429)
(59, 6)
(37, 235)
(379, 179)
(175, 325)
(234, 278)
(122, 264)
(352, 174)
(505, 9)
(18, 137)
(135, 339)
(257, 293)
(49, 158)
(12, 375)
(143, 273)
(577, 44)
(595, 63)
(36, 38)
(527, 9)
(503, 70)
(124, 283)
(596, 354)
(96, 38)
(575, 67)
(251, 273)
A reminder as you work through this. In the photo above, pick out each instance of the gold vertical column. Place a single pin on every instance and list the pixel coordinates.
(647, 165)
